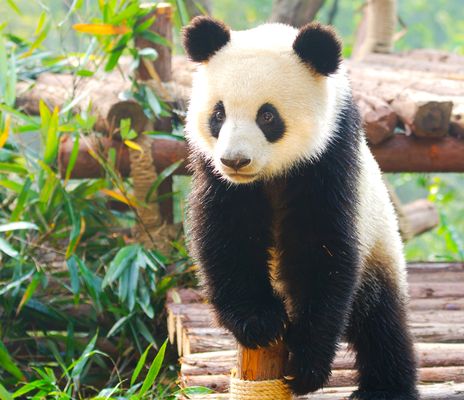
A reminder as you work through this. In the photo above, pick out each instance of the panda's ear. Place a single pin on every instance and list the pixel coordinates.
(319, 47)
(203, 37)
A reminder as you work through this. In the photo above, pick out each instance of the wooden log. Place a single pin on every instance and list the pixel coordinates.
(437, 332)
(420, 216)
(398, 154)
(200, 339)
(409, 154)
(446, 303)
(443, 391)
(164, 151)
(436, 289)
(222, 362)
(457, 126)
(423, 116)
(404, 61)
(379, 119)
(341, 377)
(437, 317)
(186, 296)
(434, 267)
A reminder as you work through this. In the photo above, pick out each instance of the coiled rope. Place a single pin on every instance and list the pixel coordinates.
(274, 389)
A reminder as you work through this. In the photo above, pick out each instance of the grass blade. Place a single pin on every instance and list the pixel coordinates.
(153, 371)
(139, 365)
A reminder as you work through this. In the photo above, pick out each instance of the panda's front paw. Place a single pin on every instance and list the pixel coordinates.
(260, 326)
(302, 375)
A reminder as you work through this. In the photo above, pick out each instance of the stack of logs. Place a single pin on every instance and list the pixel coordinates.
(436, 317)
(412, 105)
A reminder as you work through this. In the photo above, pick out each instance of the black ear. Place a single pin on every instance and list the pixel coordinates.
(203, 37)
(319, 47)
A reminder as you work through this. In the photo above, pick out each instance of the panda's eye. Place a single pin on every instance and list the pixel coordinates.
(220, 116)
(268, 117)
(217, 118)
(270, 122)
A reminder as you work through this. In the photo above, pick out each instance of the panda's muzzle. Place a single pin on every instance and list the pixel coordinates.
(235, 163)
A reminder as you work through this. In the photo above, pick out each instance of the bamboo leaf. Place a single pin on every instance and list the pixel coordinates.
(13, 5)
(120, 197)
(118, 325)
(121, 261)
(72, 158)
(133, 145)
(21, 201)
(15, 226)
(83, 359)
(5, 394)
(167, 172)
(73, 274)
(140, 365)
(7, 248)
(8, 364)
(29, 292)
(13, 168)
(52, 138)
(6, 131)
(101, 29)
(153, 371)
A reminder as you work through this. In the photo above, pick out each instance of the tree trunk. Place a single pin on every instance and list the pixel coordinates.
(380, 29)
(295, 12)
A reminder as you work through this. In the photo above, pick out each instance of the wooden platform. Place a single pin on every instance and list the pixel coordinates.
(207, 352)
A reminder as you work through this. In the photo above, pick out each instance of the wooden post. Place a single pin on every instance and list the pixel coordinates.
(261, 364)
(259, 374)
(162, 25)
(162, 66)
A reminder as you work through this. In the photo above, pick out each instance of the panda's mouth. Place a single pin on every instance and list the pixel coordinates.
(238, 177)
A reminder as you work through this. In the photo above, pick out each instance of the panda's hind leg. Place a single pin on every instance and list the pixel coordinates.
(378, 333)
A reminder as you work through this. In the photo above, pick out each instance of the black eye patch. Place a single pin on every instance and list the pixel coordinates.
(270, 122)
(217, 118)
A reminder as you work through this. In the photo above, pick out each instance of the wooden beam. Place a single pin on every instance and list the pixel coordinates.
(409, 154)
(165, 152)
(399, 154)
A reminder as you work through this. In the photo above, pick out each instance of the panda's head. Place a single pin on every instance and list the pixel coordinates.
(265, 99)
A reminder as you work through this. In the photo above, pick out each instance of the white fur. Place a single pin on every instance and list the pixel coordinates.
(259, 66)
(377, 224)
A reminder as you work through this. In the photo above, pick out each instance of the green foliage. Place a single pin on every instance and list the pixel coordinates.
(70, 273)
(446, 190)
(50, 383)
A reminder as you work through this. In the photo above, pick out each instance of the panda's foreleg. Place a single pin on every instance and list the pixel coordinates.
(230, 237)
(318, 271)
(379, 334)
(320, 287)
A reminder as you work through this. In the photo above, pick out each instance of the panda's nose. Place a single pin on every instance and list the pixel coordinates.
(235, 163)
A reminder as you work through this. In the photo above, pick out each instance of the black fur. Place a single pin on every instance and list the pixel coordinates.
(379, 335)
(215, 123)
(315, 214)
(274, 128)
(203, 37)
(230, 236)
(319, 47)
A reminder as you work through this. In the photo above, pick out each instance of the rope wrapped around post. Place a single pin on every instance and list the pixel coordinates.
(259, 374)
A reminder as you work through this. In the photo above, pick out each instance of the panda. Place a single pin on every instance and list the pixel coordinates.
(289, 218)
